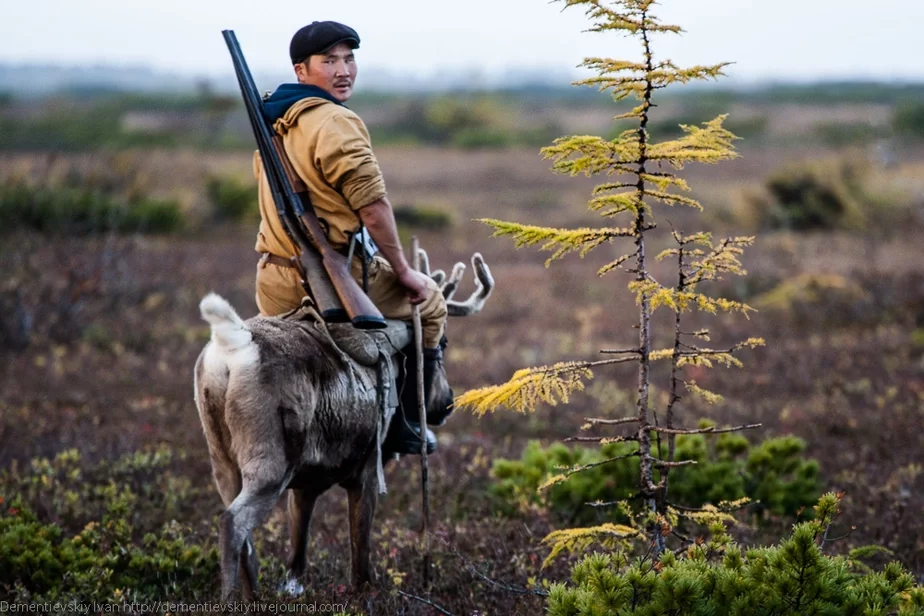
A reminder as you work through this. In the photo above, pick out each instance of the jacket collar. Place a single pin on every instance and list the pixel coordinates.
(287, 94)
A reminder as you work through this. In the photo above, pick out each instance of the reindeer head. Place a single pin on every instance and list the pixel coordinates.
(439, 393)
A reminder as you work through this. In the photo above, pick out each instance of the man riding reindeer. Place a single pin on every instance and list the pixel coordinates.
(330, 150)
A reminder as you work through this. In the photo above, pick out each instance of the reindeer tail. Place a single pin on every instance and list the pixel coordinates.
(228, 330)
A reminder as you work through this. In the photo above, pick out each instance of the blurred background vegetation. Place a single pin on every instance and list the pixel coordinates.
(862, 128)
(90, 118)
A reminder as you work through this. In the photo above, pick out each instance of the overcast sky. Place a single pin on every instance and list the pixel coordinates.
(776, 39)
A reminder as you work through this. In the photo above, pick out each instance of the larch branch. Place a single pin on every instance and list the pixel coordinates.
(610, 422)
(710, 430)
(599, 439)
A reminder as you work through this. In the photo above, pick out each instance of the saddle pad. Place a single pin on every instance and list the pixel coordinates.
(363, 345)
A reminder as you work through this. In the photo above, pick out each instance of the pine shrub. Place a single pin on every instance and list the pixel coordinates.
(103, 532)
(84, 210)
(422, 217)
(719, 578)
(908, 120)
(841, 134)
(728, 468)
(231, 199)
(823, 195)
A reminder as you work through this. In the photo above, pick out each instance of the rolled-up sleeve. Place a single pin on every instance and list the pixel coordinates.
(344, 155)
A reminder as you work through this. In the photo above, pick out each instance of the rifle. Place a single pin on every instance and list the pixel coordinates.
(293, 204)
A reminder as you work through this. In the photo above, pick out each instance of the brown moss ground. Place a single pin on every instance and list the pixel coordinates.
(116, 332)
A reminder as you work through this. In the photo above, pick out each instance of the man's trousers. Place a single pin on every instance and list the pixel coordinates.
(279, 291)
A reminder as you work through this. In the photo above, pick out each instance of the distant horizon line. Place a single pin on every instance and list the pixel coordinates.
(436, 74)
(41, 78)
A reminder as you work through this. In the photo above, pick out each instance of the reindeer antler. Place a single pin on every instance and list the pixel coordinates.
(450, 286)
(438, 276)
(484, 284)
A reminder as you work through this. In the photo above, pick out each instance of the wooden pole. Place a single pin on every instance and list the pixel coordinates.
(422, 410)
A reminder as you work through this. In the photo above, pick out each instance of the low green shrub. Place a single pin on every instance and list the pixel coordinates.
(104, 532)
(809, 197)
(470, 121)
(823, 195)
(68, 209)
(102, 562)
(422, 217)
(810, 289)
(478, 137)
(908, 120)
(728, 468)
(718, 578)
(840, 134)
(917, 337)
(232, 199)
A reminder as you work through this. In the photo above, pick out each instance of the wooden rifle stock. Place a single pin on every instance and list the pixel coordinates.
(311, 269)
(363, 313)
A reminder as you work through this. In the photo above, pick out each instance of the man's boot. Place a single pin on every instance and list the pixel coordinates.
(404, 432)
(433, 365)
(404, 436)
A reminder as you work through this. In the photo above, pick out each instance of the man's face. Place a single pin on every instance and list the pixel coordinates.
(334, 71)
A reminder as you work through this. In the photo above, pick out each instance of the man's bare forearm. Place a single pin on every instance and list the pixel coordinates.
(380, 221)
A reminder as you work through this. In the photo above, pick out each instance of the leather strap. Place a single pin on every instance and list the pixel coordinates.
(276, 260)
(292, 263)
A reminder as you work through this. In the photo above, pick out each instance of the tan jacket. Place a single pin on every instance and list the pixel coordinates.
(329, 147)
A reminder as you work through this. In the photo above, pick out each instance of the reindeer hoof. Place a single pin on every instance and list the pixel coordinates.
(291, 587)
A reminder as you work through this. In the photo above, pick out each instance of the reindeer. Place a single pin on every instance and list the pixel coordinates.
(284, 408)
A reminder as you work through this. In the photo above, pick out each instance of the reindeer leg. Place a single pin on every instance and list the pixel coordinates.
(228, 482)
(250, 569)
(229, 486)
(301, 506)
(362, 500)
(261, 488)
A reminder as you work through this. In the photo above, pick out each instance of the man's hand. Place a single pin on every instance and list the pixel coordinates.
(416, 285)
(380, 222)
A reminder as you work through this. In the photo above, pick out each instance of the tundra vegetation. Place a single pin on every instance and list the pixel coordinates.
(99, 329)
(774, 475)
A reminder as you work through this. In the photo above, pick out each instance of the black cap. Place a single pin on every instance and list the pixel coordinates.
(319, 36)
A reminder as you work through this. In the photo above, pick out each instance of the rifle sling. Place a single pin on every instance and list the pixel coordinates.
(295, 263)
(356, 240)
(366, 257)
(292, 262)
